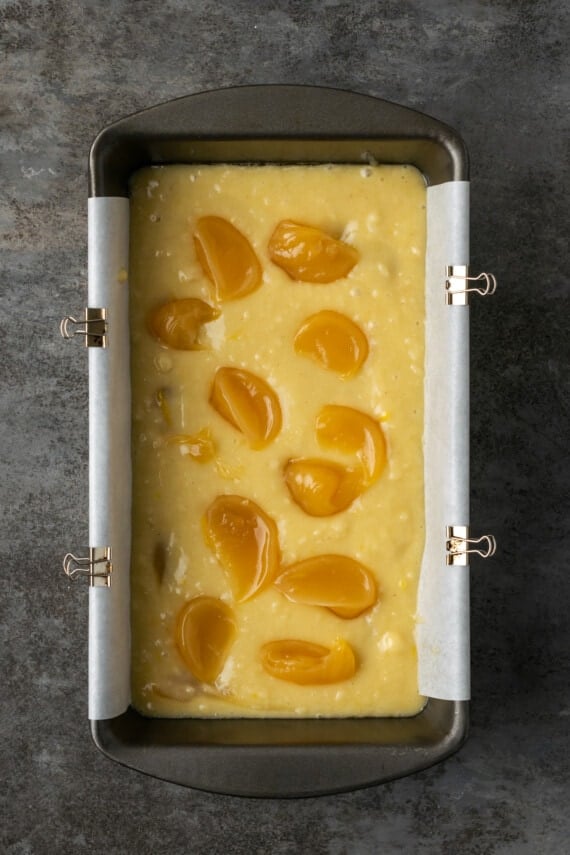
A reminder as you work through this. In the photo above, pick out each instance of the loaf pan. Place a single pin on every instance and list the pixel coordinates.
(285, 757)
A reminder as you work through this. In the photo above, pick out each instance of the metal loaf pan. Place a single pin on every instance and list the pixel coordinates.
(279, 124)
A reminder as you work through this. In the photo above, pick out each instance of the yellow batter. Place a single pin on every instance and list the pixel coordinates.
(380, 211)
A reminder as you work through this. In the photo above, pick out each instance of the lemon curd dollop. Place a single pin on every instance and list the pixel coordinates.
(248, 403)
(309, 254)
(245, 541)
(308, 664)
(227, 258)
(321, 488)
(205, 630)
(277, 374)
(333, 341)
(355, 434)
(335, 582)
(178, 323)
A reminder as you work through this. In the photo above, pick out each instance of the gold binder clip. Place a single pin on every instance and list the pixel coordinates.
(95, 567)
(459, 545)
(457, 288)
(93, 327)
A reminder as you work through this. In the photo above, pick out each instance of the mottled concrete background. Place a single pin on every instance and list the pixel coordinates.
(498, 71)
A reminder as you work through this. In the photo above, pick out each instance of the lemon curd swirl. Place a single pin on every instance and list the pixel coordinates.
(277, 353)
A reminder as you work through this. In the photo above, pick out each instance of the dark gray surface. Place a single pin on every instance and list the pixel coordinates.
(499, 73)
